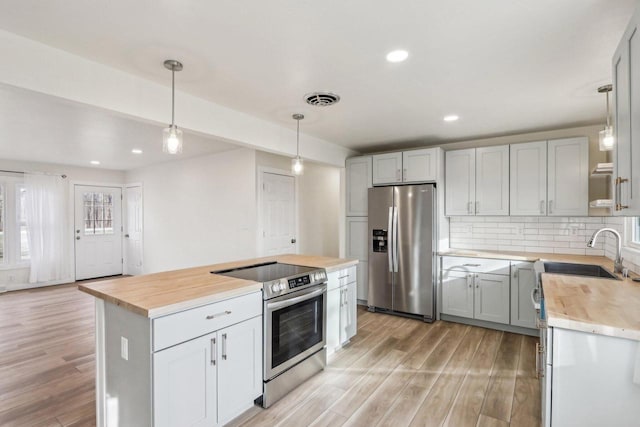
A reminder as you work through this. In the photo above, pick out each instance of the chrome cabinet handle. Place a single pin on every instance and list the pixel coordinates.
(470, 207)
(477, 282)
(539, 374)
(477, 207)
(550, 206)
(398, 175)
(224, 346)
(213, 351)
(471, 265)
(390, 238)
(404, 174)
(515, 273)
(223, 313)
(542, 207)
(619, 181)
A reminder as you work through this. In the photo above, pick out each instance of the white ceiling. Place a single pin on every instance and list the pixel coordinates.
(504, 66)
(43, 128)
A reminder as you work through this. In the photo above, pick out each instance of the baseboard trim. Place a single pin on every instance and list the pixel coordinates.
(490, 325)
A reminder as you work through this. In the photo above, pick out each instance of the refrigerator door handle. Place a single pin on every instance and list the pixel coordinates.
(389, 239)
(395, 239)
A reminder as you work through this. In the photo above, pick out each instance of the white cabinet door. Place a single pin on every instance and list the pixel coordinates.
(359, 180)
(333, 315)
(457, 294)
(184, 385)
(523, 280)
(460, 182)
(357, 241)
(348, 312)
(363, 281)
(239, 368)
(492, 180)
(528, 179)
(568, 177)
(420, 165)
(491, 298)
(387, 168)
(626, 123)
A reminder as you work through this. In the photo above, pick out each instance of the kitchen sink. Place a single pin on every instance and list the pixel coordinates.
(578, 270)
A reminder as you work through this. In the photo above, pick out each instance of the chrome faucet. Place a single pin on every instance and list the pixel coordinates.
(617, 264)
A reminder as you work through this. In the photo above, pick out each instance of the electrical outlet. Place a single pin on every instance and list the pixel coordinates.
(124, 348)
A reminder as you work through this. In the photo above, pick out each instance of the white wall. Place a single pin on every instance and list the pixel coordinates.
(320, 206)
(12, 279)
(198, 211)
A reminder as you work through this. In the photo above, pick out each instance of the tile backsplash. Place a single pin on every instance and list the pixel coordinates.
(631, 258)
(560, 235)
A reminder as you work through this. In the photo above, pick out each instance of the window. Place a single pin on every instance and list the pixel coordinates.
(98, 213)
(21, 222)
(635, 231)
(14, 238)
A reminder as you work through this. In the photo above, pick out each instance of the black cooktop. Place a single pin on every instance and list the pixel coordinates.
(265, 272)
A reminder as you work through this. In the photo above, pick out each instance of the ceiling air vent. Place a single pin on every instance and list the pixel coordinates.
(321, 99)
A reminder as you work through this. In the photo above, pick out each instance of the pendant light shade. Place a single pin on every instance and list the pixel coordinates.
(605, 136)
(172, 136)
(297, 164)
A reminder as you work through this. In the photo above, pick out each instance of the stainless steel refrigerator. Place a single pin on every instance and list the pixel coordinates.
(402, 242)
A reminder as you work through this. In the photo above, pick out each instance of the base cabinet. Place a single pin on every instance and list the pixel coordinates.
(457, 294)
(341, 308)
(185, 385)
(187, 377)
(523, 281)
(476, 296)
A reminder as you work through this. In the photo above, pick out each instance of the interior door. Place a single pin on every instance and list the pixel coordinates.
(133, 231)
(98, 231)
(278, 214)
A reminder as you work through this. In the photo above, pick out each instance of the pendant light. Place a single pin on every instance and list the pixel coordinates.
(172, 136)
(297, 167)
(606, 135)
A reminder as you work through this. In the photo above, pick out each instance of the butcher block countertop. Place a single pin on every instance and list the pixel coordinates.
(587, 304)
(159, 294)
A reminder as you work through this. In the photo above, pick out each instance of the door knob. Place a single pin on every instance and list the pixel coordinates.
(77, 237)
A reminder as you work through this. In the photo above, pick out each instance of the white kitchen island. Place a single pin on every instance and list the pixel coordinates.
(182, 348)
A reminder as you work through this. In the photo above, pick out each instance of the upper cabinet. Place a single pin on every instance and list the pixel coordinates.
(477, 181)
(405, 167)
(626, 123)
(492, 180)
(568, 177)
(460, 182)
(528, 193)
(387, 168)
(420, 165)
(358, 174)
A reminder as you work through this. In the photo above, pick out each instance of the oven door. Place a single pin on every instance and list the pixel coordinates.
(294, 328)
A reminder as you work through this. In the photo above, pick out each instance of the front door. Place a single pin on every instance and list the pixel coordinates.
(98, 231)
(278, 214)
(133, 231)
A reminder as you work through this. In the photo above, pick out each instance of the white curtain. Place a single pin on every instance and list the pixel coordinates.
(45, 210)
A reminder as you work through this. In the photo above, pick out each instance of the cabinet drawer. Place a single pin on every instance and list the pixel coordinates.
(347, 275)
(476, 265)
(185, 325)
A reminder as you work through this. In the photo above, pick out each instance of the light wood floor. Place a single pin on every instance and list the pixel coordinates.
(395, 372)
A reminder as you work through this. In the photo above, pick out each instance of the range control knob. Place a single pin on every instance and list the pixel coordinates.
(283, 286)
(275, 288)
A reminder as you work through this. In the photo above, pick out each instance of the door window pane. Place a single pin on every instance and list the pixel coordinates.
(98, 213)
(22, 223)
(2, 233)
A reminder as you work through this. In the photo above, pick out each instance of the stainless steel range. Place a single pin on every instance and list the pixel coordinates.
(295, 313)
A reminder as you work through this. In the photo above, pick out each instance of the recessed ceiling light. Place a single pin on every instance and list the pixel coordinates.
(136, 151)
(397, 55)
(451, 118)
(94, 162)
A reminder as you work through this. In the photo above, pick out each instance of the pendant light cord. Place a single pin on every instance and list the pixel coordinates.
(173, 96)
(608, 123)
(298, 139)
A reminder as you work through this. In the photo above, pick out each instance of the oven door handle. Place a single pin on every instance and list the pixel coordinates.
(295, 300)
